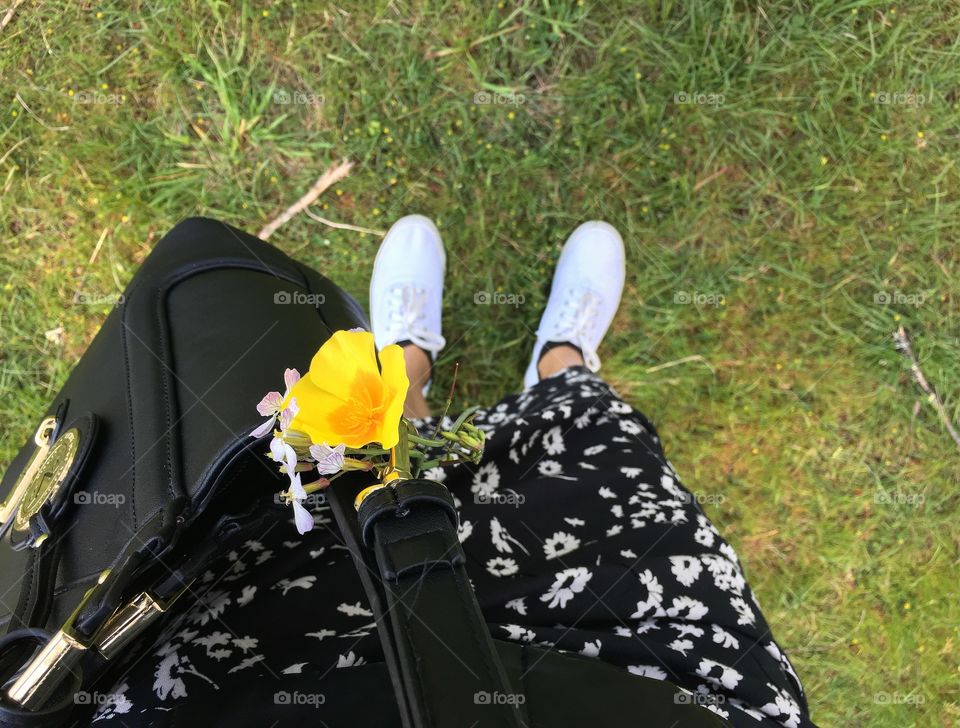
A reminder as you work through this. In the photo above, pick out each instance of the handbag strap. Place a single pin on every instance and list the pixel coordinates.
(437, 646)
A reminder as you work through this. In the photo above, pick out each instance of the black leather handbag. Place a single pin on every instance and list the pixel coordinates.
(142, 472)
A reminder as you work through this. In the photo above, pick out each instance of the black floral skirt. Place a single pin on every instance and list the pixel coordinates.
(578, 535)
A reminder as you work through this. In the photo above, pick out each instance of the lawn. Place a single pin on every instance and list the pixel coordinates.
(784, 176)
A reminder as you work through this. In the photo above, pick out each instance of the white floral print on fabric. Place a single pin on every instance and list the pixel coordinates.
(579, 536)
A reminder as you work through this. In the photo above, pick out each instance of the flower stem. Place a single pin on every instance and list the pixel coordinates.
(401, 453)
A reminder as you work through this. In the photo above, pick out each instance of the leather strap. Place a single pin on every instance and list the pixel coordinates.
(436, 642)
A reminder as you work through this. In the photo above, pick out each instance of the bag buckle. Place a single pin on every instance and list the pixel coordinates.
(43, 439)
(62, 655)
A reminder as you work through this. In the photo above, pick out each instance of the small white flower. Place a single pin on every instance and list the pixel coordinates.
(350, 660)
(685, 568)
(518, 633)
(568, 583)
(591, 649)
(630, 427)
(728, 677)
(654, 595)
(687, 608)
(486, 480)
(284, 454)
(745, 615)
(438, 474)
(651, 671)
(549, 468)
(553, 441)
(499, 566)
(559, 544)
(329, 459)
(724, 638)
(271, 403)
(301, 516)
(519, 605)
(704, 536)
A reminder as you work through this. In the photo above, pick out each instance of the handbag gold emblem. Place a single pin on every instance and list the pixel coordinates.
(43, 475)
(48, 478)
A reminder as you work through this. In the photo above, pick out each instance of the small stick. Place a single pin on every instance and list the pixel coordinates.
(709, 178)
(684, 360)
(344, 225)
(328, 178)
(903, 345)
(9, 16)
(12, 149)
(96, 250)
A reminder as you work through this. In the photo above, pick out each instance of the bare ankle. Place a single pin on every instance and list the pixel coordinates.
(558, 358)
(419, 368)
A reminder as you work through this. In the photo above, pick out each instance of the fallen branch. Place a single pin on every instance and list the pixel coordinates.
(327, 179)
(903, 345)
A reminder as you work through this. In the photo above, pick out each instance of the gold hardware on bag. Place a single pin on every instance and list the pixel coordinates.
(362, 495)
(45, 673)
(130, 621)
(48, 477)
(42, 439)
(391, 474)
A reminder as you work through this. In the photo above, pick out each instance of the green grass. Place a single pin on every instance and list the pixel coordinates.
(782, 206)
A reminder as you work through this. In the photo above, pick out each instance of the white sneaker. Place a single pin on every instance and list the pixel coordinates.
(584, 296)
(406, 289)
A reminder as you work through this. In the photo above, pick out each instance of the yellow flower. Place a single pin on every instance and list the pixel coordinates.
(347, 398)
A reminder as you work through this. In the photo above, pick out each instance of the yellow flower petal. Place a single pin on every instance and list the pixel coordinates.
(344, 398)
(394, 373)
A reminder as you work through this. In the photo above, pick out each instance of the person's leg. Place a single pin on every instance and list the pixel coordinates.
(557, 358)
(419, 369)
(406, 297)
(584, 297)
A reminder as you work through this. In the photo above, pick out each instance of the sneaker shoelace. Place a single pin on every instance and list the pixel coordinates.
(577, 320)
(408, 318)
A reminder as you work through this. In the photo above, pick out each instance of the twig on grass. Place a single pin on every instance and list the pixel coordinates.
(903, 346)
(9, 16)
(344, 225)
(327, 179)
(96, 249)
